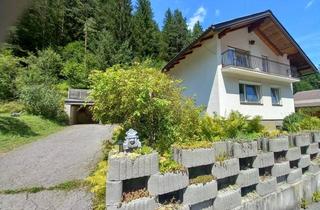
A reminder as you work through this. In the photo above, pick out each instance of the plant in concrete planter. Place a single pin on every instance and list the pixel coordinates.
(134, 195)
(167, 165)
(201, 179)
(222, 157)
(193, 145)
(137, 164)
(303, 203)
(316, 196)
(193, 154)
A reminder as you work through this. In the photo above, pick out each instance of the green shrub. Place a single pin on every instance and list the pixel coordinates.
(9, 66)
(303, 203)
(97, 182)
(146, 100)
(299, 121)
(235, 125)
(316, 196)
(12, 106)
(43, 100)
(310, 123)
(291, 122)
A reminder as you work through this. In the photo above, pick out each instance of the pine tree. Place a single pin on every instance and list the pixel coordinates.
(197, 30)
(174, 34)
(145, 31)
(165, 51)
(118, 17)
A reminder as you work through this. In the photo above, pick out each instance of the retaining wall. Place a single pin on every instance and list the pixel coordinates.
(268, 174)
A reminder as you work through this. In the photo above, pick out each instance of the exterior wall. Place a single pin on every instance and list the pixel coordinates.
(201, 73)
(229, 95)
(197, 72)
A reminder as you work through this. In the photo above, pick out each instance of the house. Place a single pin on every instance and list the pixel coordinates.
(247, 64)
(308, 100)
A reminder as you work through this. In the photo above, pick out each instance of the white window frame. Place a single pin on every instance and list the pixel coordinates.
(245, 101)
(279, 96)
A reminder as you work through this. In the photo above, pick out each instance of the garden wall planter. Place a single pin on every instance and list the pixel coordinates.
(139, 204)
(114, 192)
(123, 168)
(316, 137)
(293, 153)
(266, 185)
(302, 140)
(246, 149)
(304, 161)
(223, 148)
(227, 199)
(280, 169)
(313, 148)
(263, 160)
(279, 144)
(194, 157)
(198, 193)
(248, 177)
(314, 167)
(207, 196)
(294, 176)
(159, 184)
(226, 168)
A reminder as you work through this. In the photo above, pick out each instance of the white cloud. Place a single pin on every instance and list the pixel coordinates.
(199, 15)
(309, 4)
(217, 12)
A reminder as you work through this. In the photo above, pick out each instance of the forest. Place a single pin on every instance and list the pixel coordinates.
(56, 44)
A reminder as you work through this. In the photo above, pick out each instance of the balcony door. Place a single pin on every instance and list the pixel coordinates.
(240, 57)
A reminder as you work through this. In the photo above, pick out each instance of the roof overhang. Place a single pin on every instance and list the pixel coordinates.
(267, 27)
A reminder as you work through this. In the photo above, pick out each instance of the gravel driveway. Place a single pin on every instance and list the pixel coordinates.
(67, 155)
(70, 154)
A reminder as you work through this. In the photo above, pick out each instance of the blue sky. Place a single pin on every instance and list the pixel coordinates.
(300, 17)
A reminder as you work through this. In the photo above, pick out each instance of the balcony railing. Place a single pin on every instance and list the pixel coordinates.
(243, 59)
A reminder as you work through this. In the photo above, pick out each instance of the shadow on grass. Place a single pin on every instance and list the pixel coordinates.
(14, 126)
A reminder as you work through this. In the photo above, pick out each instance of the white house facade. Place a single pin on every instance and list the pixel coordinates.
(248, 64)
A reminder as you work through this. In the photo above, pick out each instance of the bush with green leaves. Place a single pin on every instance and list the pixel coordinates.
(9, 66)
(300, 121)
(43, 100)
(11, 106)
(146, 100)
(236, 125)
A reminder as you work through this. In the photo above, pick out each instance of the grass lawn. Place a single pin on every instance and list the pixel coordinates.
(16, 131)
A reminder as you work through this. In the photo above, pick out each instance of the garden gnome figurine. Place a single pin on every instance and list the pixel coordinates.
(131, 141)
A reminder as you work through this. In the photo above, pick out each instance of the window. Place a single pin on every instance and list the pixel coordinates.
(249, 93)
(275, 96)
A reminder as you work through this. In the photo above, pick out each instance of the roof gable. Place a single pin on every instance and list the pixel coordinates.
(268, 29)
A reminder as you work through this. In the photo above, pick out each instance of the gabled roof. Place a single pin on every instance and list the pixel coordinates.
(268, 29)
(308, 98)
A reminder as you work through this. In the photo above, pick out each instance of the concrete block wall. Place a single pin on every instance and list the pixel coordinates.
(278, 172)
